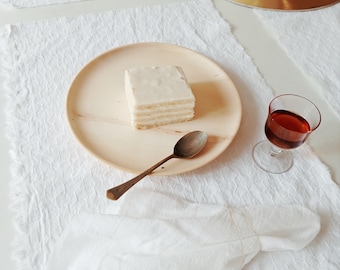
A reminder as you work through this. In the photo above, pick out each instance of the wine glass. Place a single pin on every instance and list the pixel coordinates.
(291, 119)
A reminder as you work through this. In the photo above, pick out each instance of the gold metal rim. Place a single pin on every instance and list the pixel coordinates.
(286, 4)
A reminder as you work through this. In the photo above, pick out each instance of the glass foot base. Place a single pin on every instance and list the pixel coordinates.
(270, 160)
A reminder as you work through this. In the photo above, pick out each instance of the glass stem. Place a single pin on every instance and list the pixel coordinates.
(275, 150)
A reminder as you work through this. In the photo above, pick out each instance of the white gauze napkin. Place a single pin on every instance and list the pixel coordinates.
(312, 39)
(179, 235)
(55, 179)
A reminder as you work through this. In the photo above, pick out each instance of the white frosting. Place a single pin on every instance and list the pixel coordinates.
(158, 96)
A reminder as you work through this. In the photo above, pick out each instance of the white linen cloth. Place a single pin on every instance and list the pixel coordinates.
(55, 179)
(311, 39)
(36, 3)
(180, 235)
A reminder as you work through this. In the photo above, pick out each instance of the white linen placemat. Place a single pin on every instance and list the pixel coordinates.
(311, 39)
(55, 179)
(36, 3)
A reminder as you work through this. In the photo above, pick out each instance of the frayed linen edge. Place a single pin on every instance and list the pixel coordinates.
(17, 193)
(8, 4)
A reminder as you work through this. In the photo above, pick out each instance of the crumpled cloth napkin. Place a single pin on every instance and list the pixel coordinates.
(311, 39)
(36, 3)
(180, 235)
(55, 179)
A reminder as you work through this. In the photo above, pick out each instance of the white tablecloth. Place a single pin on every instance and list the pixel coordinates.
(311, 39)
(55, 179)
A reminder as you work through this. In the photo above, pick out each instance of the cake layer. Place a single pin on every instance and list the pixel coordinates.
(165, 109)
(159, 115)
(161, 121)
(166, 105)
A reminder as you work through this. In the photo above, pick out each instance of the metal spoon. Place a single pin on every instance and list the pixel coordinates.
(188, 146)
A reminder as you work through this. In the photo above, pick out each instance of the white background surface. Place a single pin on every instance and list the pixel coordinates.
(278, 70)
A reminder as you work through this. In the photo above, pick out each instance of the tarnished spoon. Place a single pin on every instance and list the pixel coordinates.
(188, 146)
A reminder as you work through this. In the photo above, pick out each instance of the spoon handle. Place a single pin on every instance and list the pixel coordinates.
(115, 192)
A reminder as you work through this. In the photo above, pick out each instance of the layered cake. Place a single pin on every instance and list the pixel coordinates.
(158, 96)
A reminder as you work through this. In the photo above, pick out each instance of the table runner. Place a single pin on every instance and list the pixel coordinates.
(55, 179)
(311, 39)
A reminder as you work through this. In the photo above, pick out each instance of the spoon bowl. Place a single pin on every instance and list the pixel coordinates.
(187, 147)
(190, 144)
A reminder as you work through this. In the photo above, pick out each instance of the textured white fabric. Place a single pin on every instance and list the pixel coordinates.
(178, 234)
(36, 3)
(312, 39)
(55, 179)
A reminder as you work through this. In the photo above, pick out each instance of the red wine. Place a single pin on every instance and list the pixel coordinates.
(286, 129)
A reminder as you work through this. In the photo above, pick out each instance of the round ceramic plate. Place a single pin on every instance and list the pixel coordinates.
(98, 113)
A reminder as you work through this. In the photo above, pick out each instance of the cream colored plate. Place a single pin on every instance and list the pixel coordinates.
(98, 113)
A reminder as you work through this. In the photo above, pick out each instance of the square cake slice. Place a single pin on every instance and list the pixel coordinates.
(158, 96)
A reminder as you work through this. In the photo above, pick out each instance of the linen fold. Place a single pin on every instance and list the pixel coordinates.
(179, 234)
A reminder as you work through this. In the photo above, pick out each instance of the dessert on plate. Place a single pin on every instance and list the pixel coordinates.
(158, 96)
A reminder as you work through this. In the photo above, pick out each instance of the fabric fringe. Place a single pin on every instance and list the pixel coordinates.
(5, 4)
(17, 189)
(32, 4)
